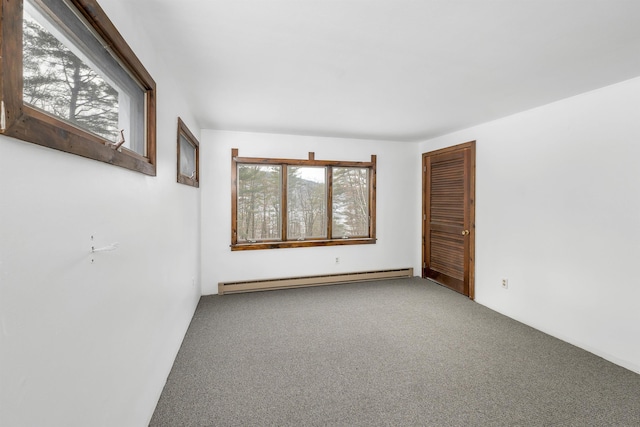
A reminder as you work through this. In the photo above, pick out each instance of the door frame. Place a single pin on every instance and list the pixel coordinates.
(471, 206)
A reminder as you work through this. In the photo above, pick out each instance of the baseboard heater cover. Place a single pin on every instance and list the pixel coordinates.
(297, 282)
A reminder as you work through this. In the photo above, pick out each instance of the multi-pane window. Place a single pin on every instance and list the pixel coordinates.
(290, 203)
(77, 85)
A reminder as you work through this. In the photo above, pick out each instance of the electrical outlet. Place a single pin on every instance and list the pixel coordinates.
(337, 260)
(505, 283)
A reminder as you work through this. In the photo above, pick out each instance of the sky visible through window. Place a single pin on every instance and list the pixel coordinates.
(312, 174)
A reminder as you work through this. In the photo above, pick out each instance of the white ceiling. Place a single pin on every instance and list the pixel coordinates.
(387, 69)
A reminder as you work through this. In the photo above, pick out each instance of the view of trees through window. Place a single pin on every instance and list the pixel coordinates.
(259, 201)
(60, 83)
(350, 202)
(306, 202)
(259, 198)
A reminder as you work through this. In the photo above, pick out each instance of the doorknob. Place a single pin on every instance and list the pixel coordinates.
(465, 232)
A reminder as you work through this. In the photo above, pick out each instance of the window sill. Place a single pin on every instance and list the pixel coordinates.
(182, 179)
(39, 128)
(301, 244)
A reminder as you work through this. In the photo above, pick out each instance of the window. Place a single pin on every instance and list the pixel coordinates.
(188, 156)
(70, 82)
(284, 203)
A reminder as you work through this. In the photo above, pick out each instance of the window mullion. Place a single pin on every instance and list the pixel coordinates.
(330, 202)
(283, 195)
(372, 196)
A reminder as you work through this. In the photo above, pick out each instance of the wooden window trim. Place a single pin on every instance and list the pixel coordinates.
(311, 161)
(183, 130)
(32, 125)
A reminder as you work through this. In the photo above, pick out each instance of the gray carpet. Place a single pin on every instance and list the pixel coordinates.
(402, 352)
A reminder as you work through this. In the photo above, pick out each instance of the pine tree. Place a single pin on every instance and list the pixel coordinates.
(61, 84)
(258, 209)
(306, 204)
(350, 202)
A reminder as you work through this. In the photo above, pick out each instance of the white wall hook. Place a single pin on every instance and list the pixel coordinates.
(111, 247)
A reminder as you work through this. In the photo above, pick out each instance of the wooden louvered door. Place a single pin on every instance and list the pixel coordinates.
(448, 217)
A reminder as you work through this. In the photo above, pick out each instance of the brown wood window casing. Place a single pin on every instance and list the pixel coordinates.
(188, 155)
(288, 203)
(94, 41)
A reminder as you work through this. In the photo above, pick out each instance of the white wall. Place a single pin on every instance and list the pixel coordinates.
(558, 215)
(396, 207)
(87, 344)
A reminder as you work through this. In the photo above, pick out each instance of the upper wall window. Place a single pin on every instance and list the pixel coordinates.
(188, 156)
(280, 203)
(71, 82)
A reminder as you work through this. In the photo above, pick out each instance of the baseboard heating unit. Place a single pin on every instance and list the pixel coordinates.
(297, 282)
